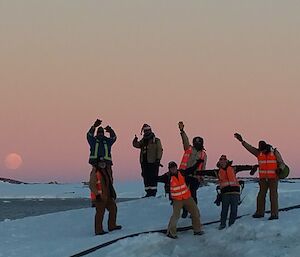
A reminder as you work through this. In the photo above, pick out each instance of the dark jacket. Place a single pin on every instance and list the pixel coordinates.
(100, 146)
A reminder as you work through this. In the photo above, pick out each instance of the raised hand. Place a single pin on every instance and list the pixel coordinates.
(180, 125)
(97, 123)
(238, 137)
(108, 128)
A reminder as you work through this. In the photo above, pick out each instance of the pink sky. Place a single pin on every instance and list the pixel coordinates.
(221, 67)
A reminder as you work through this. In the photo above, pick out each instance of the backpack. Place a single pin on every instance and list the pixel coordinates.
(283, 173)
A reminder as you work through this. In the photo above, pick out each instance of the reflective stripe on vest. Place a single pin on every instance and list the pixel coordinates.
(106, 156)
(178, 188)
(267, 165)
(95, 155)
(227, 178)
(98, 185)
(186, 157)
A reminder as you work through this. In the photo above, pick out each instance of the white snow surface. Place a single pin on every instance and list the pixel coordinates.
(66, 233)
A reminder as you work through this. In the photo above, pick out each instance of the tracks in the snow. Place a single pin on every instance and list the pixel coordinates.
(93, 249)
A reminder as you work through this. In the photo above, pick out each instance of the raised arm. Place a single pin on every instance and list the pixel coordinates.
(112, 134)
(248, 147)
(184, 137)
(136, 143)
(90, 134)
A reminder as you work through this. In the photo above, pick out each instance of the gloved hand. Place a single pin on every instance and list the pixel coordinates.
(135, 138)
(238, 137)
(253, 170)
(180, 125)
(97, 123)
(242, 183)
(108, 128)
(218, 200)
(98, 197)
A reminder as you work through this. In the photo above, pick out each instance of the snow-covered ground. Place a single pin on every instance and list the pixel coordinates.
(66, 233)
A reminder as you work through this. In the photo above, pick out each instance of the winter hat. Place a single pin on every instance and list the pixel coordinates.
(198, 140)
(223, 157)
(172, 164)
(100, 130)
(262, 145)
(145, 127)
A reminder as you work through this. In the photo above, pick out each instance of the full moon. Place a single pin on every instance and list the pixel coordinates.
(13, 161)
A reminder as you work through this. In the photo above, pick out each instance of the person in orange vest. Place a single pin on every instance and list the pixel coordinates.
(230, 187)
(192, 153)
(181, 197)
(269, 162)
(103, 196)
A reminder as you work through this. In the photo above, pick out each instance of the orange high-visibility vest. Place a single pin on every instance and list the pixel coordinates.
(186, 157)
(228, 178)
(178, 188)
(99, 187)
(267, 165)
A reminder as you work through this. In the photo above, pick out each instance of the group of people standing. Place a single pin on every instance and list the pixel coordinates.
(180, 182)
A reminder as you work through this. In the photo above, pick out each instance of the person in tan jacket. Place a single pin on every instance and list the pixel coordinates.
(270, 162)
(150, 156)
(103, 196)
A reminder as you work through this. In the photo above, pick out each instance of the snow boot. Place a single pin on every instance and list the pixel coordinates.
(273, 217)
(199, 233)
(171, 236)
(101, 233)
(221, 227)
(257, 216)
(117, 227)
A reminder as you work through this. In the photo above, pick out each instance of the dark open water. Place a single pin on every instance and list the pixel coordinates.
(20, 208)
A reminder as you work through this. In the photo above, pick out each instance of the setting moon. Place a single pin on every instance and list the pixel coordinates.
(13, 161)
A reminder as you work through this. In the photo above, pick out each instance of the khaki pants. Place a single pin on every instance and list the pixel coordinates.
(264, 185)
(191, 207)
(111, 206)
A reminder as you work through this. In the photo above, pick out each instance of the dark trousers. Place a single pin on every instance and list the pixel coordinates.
(193, 188)
(264, 185)
(110, 172)
(232, 201)
(150, 174)
(101, 205)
